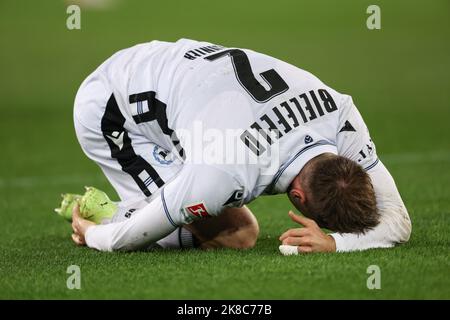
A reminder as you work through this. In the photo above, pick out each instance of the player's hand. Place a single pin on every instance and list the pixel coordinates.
(308, 239)
(79, 227)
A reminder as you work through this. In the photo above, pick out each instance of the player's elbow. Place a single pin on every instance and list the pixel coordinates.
(407, 229)
(401, 227)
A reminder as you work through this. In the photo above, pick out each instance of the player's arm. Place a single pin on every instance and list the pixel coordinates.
(192, 195)
(394, 226)
(354, 142)
(138, 232)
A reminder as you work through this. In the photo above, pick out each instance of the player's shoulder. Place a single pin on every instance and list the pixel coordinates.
(123, 56)
(300, 79)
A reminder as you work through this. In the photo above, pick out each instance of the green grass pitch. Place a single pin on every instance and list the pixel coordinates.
(398, 77)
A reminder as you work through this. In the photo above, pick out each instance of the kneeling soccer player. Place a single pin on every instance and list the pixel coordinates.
(137, 116)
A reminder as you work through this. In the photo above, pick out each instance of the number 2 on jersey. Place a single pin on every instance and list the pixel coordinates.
(245, 76)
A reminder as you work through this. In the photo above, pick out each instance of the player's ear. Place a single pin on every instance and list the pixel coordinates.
(298, 195)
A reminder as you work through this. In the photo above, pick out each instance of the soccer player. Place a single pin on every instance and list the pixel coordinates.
(138, 116)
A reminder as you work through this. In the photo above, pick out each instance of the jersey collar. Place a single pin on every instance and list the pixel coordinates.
(290, 169)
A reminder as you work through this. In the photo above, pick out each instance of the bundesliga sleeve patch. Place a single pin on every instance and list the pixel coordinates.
(198, 210)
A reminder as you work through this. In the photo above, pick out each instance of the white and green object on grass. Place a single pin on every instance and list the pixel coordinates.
(94, 205)
(69, 200)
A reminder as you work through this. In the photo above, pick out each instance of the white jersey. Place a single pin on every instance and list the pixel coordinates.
(160, 92)
(162, 87)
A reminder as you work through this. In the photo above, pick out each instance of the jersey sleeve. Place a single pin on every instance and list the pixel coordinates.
(198, 192)
(146, 226)
(353, 137)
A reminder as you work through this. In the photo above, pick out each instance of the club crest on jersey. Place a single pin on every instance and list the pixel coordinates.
(308, 139)
(161, 155)
(198, 210)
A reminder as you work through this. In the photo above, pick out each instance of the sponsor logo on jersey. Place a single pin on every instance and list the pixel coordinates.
(235, 199)
(198, 210)
(347, 127)
(117, 138)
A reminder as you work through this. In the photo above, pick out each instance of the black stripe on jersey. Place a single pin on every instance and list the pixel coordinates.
(157, 110)
(119, 142)
(372, 165)
(163, 199)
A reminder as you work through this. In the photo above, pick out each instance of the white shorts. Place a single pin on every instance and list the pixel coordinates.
(134, 164)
